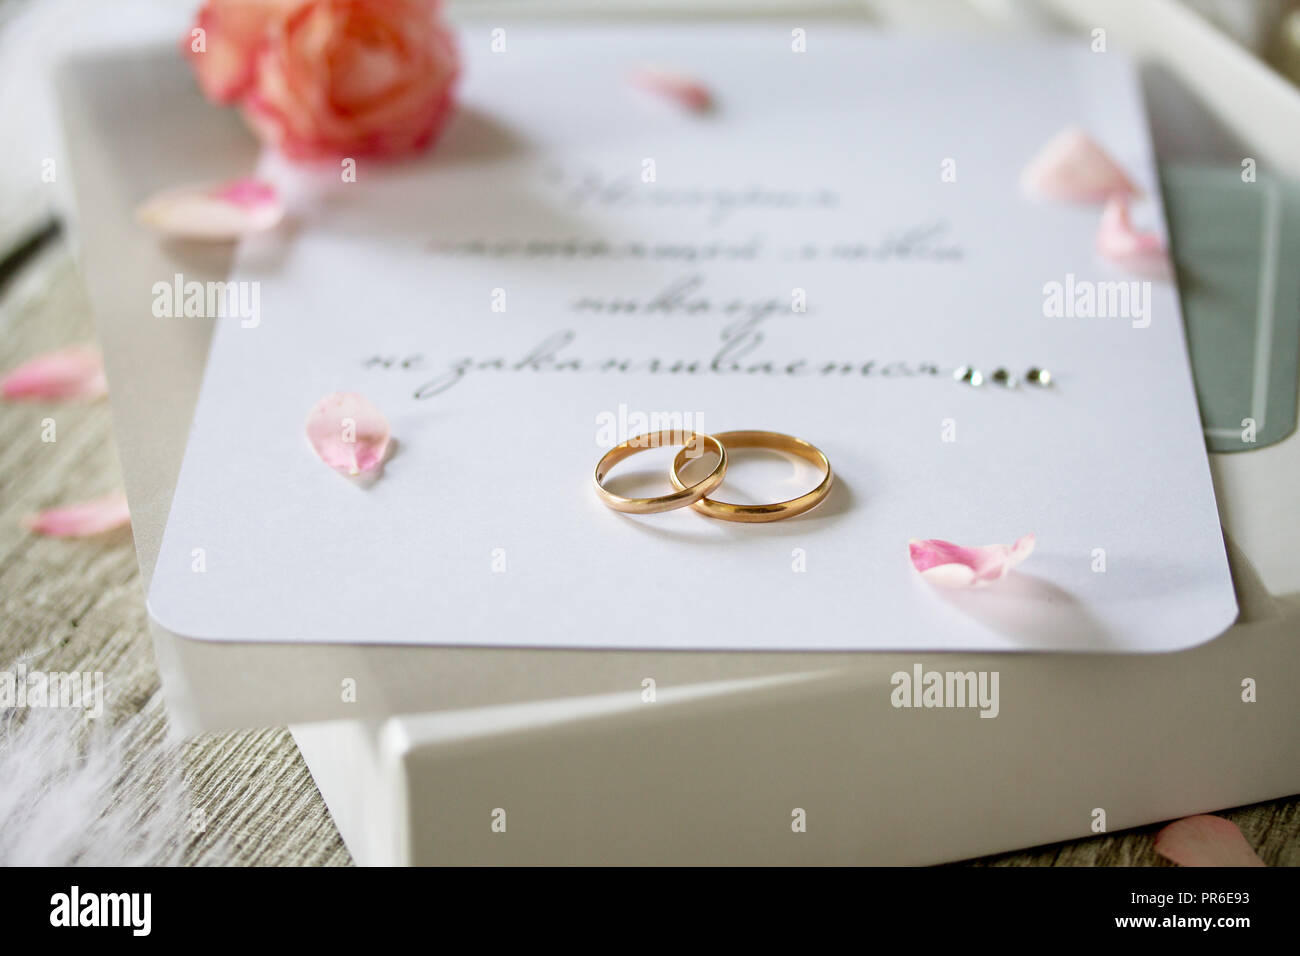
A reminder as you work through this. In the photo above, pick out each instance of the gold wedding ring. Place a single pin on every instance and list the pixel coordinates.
(684, 495)
(776, 511)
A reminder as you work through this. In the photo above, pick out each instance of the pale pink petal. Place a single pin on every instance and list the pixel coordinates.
(247, 193)
(1205, 841)
(1022, 549)
(213, 213)
(81, 520)
(954, 566)
(75, 373)
(1119, 241)
(1072, 167)
(348, 432)
(685, 91)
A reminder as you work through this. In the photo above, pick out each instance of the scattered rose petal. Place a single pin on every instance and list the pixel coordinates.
(247, 193)
(220, 213)
(1205, 841)
(81, 520)
(1072, 167)
(75, 373)
(684, 90)
(953, 566)
(348, 433)
(1118, 240)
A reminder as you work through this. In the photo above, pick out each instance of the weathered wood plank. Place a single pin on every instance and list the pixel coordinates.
(77, 606)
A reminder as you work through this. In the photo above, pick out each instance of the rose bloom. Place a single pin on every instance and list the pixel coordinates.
(234, 31)
(331, 78)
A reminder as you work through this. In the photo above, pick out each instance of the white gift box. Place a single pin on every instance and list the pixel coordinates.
(734, 746)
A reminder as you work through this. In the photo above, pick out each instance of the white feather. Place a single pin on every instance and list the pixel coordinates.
(76, 792)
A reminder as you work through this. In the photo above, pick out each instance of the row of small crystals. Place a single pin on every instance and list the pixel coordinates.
(970, 375)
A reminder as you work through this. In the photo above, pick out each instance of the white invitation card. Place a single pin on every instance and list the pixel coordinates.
(579, 260)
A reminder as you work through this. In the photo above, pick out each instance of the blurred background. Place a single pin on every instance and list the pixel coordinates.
(34, 34)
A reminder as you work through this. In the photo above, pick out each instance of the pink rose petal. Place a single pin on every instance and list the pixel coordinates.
(220, 213)
(234, 32)
(1119, 241)
(1072, 167)
(1205, 841)
(81, 520)
(247, 193)
(685, 91)
(349, 78)
(953, 566)
(348, 433)
(75, 373)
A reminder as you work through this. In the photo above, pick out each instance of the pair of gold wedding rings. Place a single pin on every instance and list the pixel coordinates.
(696, 495)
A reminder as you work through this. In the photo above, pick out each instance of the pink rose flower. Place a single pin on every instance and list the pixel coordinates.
(325, 79)
(233, 33)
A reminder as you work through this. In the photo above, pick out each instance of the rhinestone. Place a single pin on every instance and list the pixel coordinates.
(1039, 376)
(969, 375)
